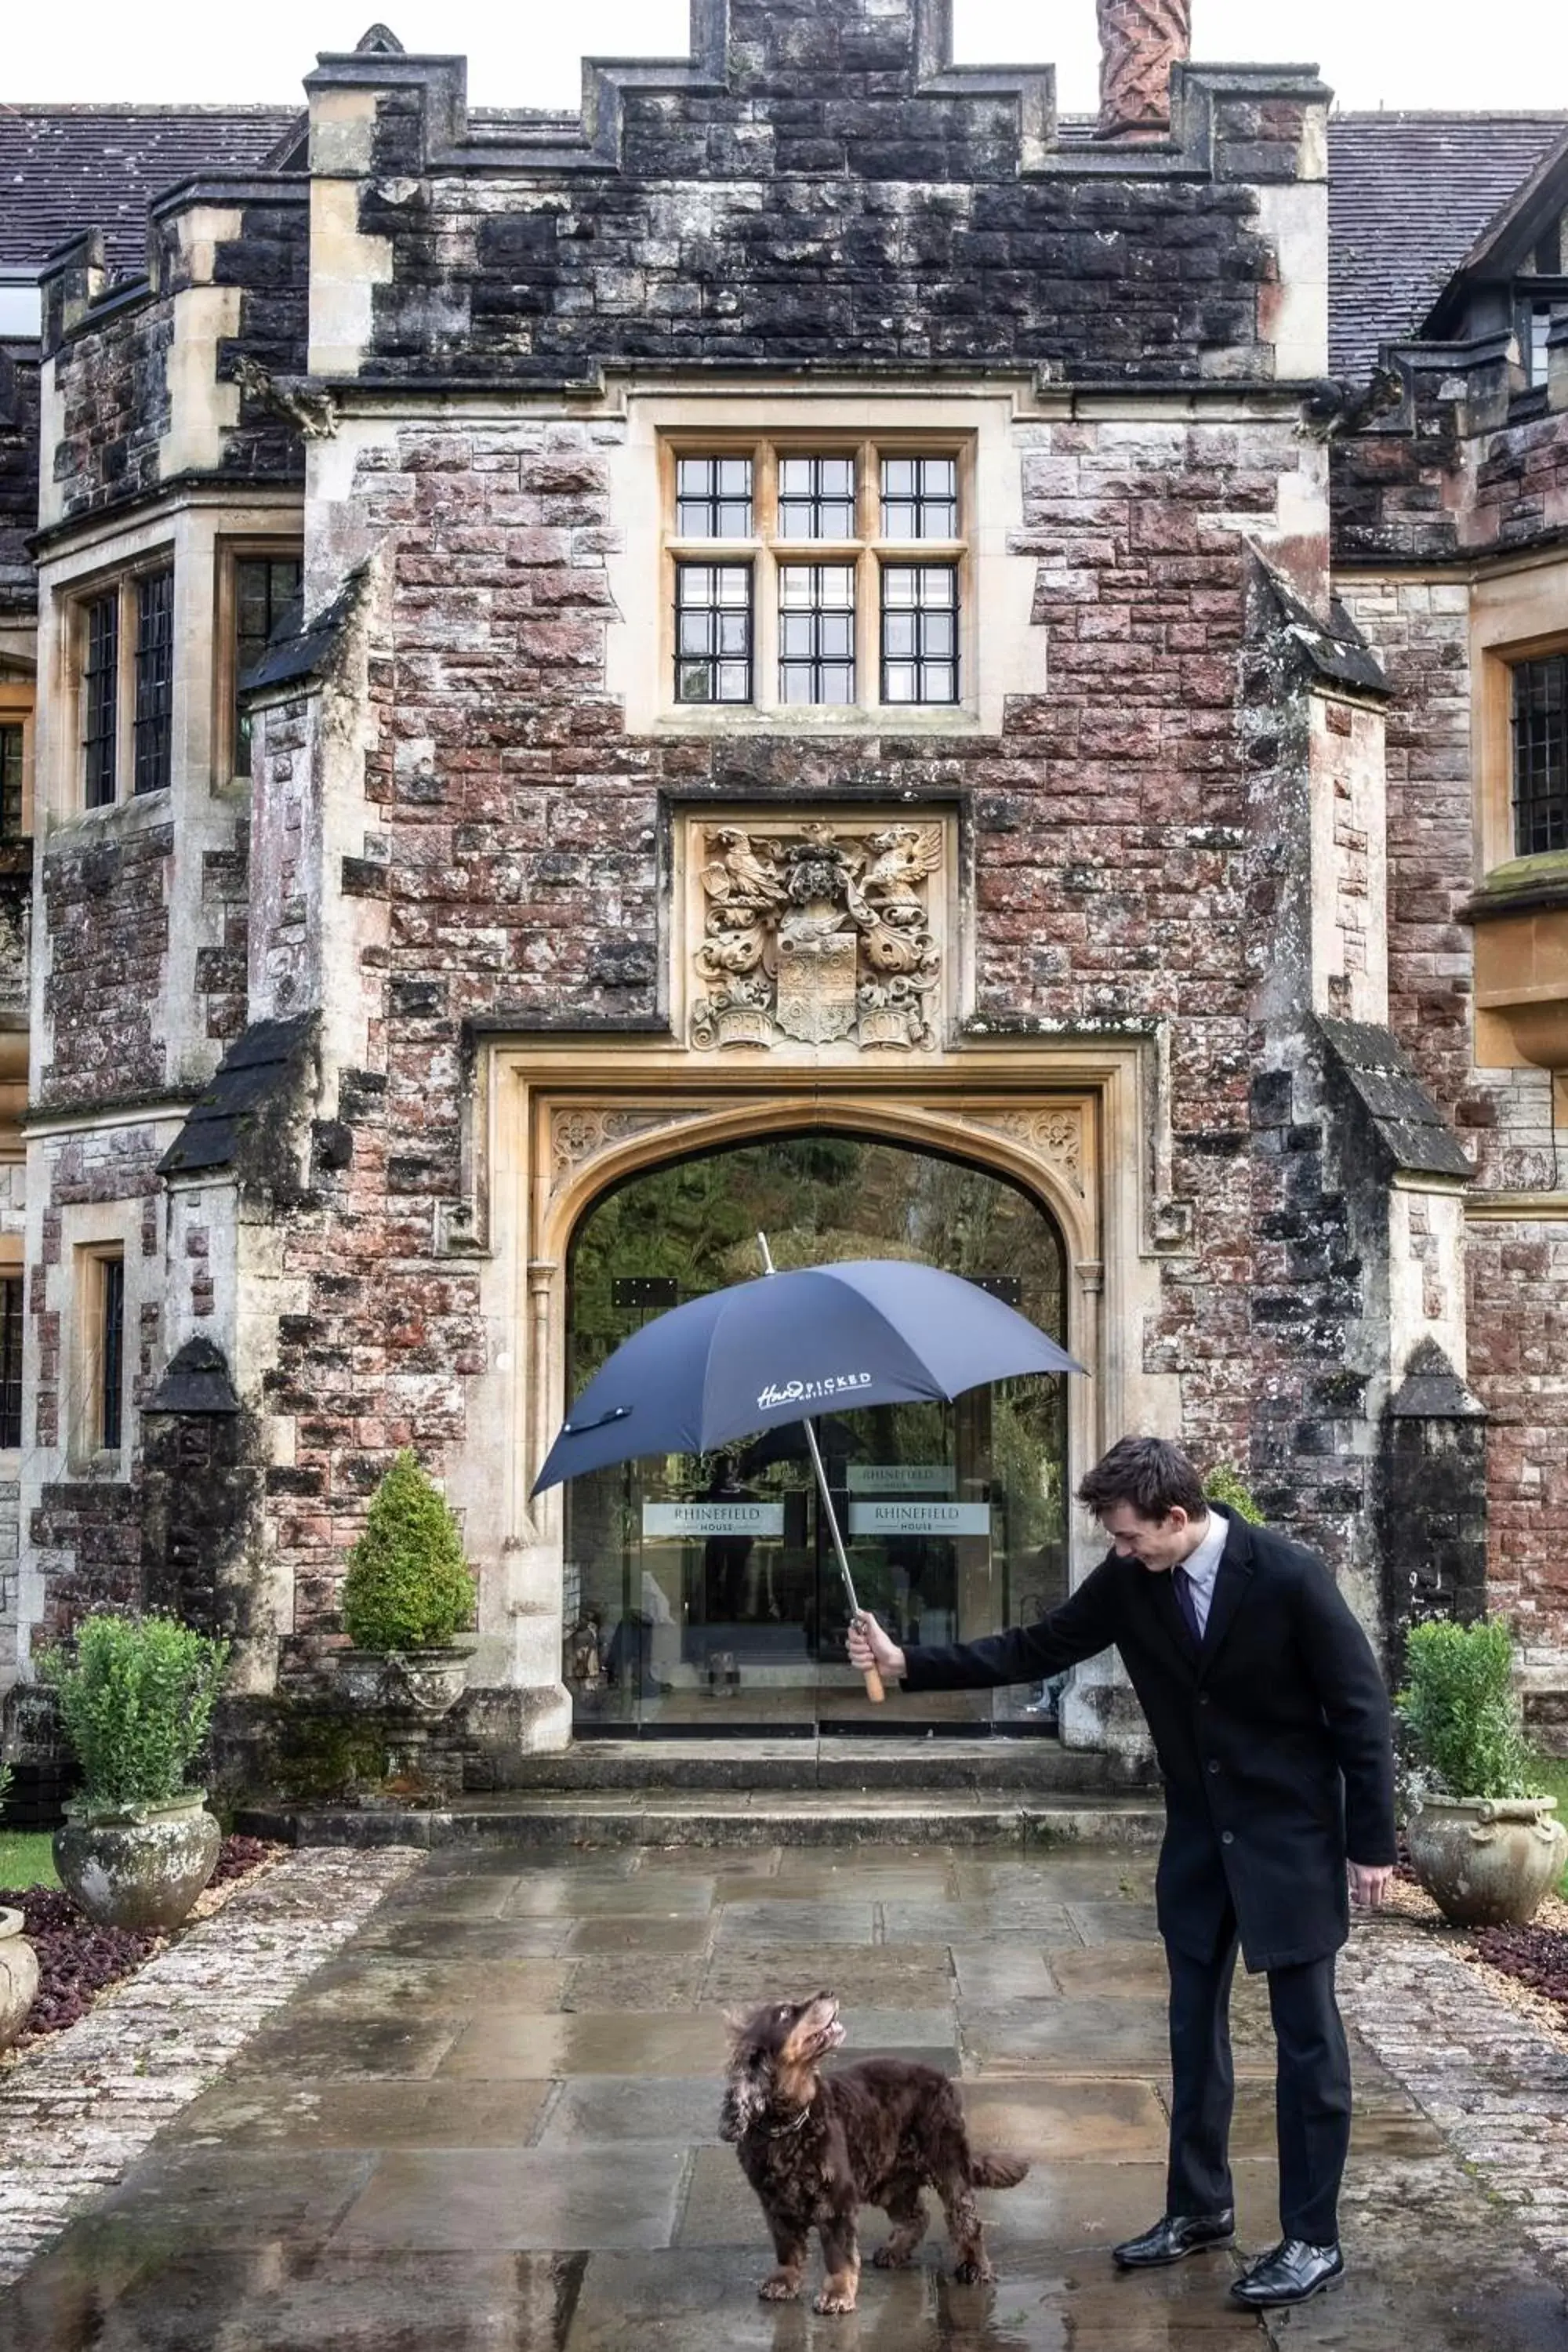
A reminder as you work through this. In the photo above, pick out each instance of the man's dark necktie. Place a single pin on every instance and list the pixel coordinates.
(1186, 1602)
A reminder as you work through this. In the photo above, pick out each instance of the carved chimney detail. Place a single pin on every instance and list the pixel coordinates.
(1140, 42)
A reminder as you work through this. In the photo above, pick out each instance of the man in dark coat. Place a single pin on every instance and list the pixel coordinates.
(1271, 1726)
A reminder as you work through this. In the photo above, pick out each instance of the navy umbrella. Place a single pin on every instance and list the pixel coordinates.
(788, 1347)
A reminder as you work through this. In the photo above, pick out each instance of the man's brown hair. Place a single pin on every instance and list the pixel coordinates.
(1150, 1473)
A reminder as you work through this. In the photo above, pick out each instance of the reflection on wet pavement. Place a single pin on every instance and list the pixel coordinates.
(492, 2121)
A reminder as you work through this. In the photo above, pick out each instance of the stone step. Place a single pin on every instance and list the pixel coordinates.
(1004, 1768)
(721, 1819)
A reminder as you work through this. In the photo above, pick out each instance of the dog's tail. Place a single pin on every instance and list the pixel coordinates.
(996, 2171)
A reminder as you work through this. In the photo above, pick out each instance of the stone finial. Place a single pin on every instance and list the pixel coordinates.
(1140, 42)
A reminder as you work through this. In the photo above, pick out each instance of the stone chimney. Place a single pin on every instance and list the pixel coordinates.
(1139, 41)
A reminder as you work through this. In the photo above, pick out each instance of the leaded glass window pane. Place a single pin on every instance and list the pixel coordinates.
(713, 633)
(920, 498)
(713, 498)
(1541, 755)
(816, 497)
(919, 633)
(11, 739)
(99, 697)
(152, 739)
(264, 586)
(816, 633)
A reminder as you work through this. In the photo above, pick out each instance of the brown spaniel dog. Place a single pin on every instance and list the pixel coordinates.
(816, 2148)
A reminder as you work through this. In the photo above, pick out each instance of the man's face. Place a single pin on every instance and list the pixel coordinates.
(1158, 1544)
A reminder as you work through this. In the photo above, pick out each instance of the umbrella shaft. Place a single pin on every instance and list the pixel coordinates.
(822, 1486)
(826, 1492)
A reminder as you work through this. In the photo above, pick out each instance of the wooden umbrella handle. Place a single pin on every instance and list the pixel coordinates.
(874, 1690)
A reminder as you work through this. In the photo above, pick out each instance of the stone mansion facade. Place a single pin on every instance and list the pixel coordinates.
(811, 598)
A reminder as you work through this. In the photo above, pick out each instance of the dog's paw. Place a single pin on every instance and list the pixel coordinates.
(780, 2288)
(833, 2302)
(885, 2259)
(978, 2273)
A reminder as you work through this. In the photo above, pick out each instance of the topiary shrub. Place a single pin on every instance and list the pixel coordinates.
(136, 1697)
(408, 1586)
(1460, 1713)
(1226, 1487)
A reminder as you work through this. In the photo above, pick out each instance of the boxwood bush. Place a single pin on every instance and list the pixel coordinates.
(408, 1586)
(136, 1695)
(1460, 1714)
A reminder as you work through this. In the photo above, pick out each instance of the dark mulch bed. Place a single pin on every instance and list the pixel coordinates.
(1537, 1956)
(77, 1961)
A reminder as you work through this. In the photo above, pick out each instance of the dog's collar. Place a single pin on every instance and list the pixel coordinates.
(784, 2129)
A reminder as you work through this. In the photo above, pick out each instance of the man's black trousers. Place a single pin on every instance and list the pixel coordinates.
(1312, 2098)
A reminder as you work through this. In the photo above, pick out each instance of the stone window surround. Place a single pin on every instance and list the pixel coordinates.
(556, 1121)
(1000, 652)
(121, 581)
(1522, 940)
(86, 1446)
(16, 711)
(194, 530)
(1515, 615)
(866, 554)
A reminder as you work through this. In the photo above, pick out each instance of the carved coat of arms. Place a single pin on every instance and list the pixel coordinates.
(822, 935)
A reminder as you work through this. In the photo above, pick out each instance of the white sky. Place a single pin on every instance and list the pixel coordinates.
(1443, 53)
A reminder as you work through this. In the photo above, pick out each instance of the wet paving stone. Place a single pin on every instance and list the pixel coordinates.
(608, 2110)
(273, 2301)
(246, 2112)
(528, 2199)
(665, 1897)
(307, 2042)
(386, 1985)
(1067, 2036)
(978, 1922)
(417, 1936)
(190, 2196)
(492, 2121)
(624, 1981)
(774, 1924)
(1119, 2121)
(652, 1935)
(1102, 1921)
(996, 1972)
(624, 2042)
(908, 1975)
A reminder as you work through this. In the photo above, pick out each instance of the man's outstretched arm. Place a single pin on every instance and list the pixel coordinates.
(1083, 1626)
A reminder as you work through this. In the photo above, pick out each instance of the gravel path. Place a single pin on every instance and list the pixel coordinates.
(78, 2110)
(1494, 2084)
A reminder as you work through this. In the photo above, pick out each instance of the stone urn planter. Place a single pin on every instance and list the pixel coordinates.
(1486, 1862)
(139, 1867)
(18, 1977)
(422, 1682)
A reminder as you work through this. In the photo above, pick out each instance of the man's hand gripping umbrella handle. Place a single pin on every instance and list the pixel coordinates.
(874, 1690)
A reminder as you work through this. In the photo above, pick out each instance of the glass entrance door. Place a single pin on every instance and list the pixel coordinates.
(703, 1594)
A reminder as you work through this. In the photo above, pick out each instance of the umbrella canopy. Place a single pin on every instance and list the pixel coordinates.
(789, 1346)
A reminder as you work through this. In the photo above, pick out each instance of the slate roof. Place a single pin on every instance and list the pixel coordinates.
(1408, 197)
(1381, 1075)
(64, 169)
(250, 1089)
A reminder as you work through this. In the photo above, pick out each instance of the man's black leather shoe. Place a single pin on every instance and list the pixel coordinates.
(1289, 2273)
(1173, 2238)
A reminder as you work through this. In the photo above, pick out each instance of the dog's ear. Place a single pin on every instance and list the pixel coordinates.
(737, 2024)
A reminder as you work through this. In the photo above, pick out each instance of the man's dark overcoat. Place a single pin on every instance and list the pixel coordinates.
(1274, 1738)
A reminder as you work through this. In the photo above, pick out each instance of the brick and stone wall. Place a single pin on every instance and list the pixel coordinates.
(105, 917)
(821, 188)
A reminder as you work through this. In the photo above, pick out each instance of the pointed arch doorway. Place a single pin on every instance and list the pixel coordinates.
(702, 1589)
